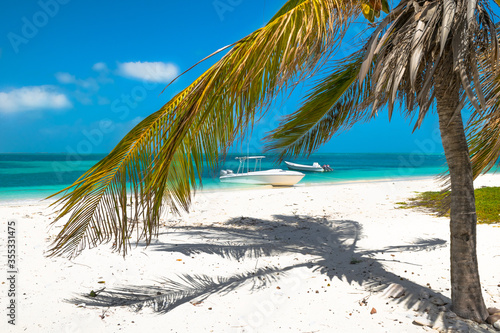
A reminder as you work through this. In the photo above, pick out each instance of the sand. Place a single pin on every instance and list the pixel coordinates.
(330, 258)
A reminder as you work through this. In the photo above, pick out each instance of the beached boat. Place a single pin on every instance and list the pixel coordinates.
(275, 177)
(314, 168)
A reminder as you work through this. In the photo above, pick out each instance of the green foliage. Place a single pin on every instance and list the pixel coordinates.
(487, 203)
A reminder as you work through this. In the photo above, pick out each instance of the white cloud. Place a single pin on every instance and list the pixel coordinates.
(83, 97)
(149, 71)
(32, 98)
(67, 78)
(100, 67)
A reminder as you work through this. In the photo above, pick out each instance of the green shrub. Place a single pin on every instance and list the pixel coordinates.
(487, 203)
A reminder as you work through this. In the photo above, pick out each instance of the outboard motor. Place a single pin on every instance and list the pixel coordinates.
(327, 167)
(223, 173)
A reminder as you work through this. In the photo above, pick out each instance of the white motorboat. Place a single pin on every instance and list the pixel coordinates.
(315, 167)
(275, 177)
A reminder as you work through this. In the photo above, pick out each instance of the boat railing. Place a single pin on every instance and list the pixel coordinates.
(243, 159)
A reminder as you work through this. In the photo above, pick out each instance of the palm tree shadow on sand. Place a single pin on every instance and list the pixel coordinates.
(332, 245)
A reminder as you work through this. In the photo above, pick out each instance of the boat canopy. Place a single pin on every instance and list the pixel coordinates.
(249, 157)
(246, 160)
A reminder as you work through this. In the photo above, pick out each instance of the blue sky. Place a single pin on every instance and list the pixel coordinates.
(76, 76)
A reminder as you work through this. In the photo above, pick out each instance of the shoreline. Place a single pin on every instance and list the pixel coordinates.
(339, 182)
(257, 261)
(36, 176)
(243, 187)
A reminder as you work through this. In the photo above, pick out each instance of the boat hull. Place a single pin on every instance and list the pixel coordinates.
(275, 177)
(301, 167)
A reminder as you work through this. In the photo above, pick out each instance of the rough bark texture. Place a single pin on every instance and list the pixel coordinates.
(467, 299)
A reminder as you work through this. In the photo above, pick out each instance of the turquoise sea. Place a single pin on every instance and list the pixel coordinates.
(36, 176)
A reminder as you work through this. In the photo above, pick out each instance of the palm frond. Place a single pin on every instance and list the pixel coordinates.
(484, 127)
(484, 145)
(330, 107)
(158, 162)
(408, 56)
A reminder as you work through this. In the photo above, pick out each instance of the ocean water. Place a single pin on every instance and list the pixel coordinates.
(36, 176)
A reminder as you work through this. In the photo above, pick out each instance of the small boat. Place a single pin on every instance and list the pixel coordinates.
(274, 177)
(314, 168)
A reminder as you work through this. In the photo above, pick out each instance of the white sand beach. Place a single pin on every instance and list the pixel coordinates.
(330, 258)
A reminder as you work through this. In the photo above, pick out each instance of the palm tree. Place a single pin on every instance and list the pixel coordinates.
(424, 54)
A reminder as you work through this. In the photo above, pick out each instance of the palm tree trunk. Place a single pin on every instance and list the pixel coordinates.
(466, 296)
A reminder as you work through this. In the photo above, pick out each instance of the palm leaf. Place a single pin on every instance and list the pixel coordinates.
(484, 127)
(158, 162)
(485, 145)
(331, 106)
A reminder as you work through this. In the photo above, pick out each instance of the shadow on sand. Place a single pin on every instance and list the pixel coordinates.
(332, 245)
